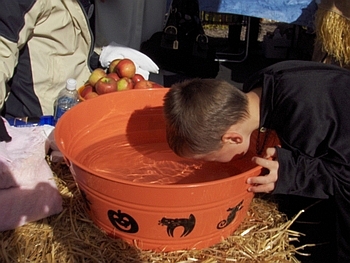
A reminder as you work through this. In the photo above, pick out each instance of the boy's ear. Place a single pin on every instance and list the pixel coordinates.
(232, 137)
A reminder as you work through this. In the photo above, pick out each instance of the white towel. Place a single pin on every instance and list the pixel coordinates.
(144, 65)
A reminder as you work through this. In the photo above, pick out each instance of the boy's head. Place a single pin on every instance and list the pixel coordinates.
(198, 112)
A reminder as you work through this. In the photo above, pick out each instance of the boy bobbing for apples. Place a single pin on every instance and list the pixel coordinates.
(306, 103)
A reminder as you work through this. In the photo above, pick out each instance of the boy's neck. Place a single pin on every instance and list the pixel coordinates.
(254, 97)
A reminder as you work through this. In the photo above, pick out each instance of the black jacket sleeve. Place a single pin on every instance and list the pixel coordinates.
(313, 177)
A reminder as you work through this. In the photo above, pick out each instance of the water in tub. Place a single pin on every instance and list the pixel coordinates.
(154, 162)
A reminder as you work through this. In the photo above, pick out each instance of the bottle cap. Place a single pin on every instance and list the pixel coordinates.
(71, 84)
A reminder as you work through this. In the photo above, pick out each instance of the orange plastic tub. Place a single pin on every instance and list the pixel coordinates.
(136, 188)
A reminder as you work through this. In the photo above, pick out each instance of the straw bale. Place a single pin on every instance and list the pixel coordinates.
(69, 237)
(332, 33)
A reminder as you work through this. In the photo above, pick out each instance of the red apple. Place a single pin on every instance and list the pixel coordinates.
(124, 84)
(90, 95)
(143, 84)
(87, 88)
(137, 77)
(125, 68)
(112, 65)
(113, 75)
(106, 85)
(96, 75)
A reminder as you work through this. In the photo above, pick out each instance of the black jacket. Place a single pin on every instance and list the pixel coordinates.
(308, 105)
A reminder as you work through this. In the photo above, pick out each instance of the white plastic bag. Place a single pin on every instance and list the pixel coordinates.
(28, 191)
(144, 65)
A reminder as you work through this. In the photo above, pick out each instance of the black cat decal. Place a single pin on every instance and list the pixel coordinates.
(224, 223)
(187, 223)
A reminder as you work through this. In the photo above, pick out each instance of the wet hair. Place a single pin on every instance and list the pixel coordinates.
(198, 112)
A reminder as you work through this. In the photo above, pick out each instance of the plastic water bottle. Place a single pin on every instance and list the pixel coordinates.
(66, 99)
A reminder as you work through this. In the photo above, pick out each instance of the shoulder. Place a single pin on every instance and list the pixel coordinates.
(294, 70)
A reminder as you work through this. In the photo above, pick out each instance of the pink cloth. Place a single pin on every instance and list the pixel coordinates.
(28, 191)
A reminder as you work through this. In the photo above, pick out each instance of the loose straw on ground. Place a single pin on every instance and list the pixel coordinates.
(70, 237)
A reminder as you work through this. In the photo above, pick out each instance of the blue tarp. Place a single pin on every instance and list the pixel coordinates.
(299, 12)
